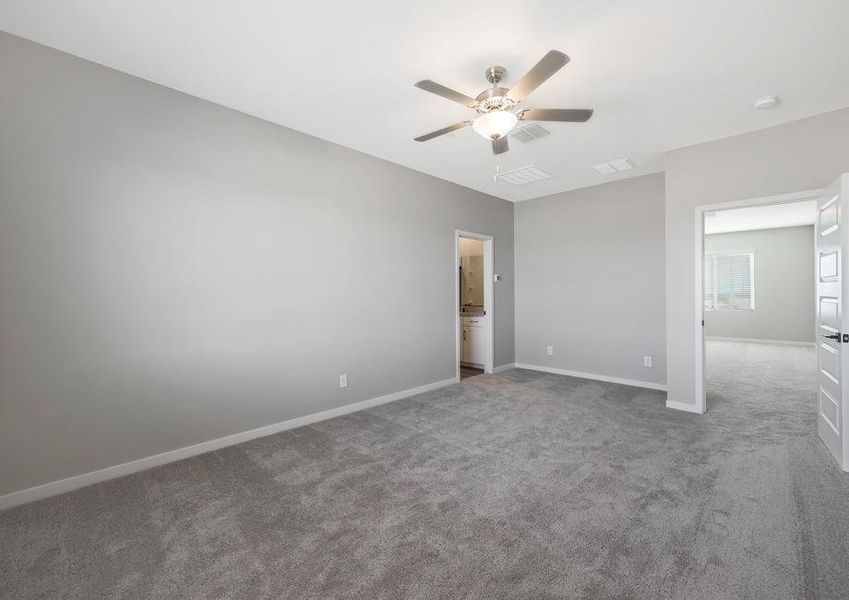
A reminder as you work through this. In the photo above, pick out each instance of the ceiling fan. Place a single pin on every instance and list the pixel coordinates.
(497, 107)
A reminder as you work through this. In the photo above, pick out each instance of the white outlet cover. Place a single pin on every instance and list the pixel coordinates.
(343, 381)
(550, 350)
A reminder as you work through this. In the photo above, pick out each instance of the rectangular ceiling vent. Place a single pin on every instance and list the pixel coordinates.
(615, 166)
(523, 176)
(529, 133)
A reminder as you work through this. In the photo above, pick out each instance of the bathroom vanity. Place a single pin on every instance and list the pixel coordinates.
(473, 334)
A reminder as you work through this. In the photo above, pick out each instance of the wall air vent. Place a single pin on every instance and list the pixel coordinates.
(523, 176)
(529, 133)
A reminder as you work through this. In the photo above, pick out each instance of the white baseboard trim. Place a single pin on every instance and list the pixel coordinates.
(75, 482)
(506, 367)
(606, 378)
(692, 408)
(722, 338)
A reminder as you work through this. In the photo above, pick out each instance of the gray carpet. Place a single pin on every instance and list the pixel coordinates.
(518, 485)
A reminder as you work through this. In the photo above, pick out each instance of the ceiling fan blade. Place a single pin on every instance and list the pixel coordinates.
(443, 131)
(440, 90)
(572, 115)
(545, 68)
(500, 145)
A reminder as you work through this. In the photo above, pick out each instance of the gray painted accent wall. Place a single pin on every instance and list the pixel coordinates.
(798, 156)
(590, 279)
(784, 285)
(172, 271)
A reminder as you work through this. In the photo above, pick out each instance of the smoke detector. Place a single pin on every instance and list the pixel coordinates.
(767, 102)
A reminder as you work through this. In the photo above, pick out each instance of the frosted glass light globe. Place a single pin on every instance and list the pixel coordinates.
(495, 124)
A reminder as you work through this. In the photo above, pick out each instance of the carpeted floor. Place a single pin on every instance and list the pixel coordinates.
(517, 485)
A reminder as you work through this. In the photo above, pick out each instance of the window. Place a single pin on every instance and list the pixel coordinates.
(729, 281)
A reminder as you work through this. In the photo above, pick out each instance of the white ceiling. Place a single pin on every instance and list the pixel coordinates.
(761, 217)
(660, 74)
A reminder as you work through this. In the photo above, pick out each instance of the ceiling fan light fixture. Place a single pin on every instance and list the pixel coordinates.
(495, 124)
(496, 106)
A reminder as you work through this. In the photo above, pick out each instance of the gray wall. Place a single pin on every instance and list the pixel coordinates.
(172, 271)
(590, 279)
(797, 156)
(784, 285)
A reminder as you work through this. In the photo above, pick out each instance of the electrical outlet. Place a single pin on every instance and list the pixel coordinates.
(343, 380)
(550, 350)
(647, 361)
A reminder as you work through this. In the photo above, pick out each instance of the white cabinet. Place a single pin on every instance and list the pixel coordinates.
(474, 340)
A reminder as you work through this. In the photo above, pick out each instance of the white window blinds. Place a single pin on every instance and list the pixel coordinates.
(729, 281)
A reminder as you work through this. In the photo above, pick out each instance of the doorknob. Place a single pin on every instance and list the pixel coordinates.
(833, 336)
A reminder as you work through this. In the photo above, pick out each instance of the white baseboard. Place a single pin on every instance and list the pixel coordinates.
(692, 408)
(68, 484)
(506, 367)
(722, 338)
(606, 378)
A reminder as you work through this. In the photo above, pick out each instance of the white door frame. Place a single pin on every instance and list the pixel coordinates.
(701, 401)
(488, 296)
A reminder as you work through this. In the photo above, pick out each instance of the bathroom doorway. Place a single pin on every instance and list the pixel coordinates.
(474, 303)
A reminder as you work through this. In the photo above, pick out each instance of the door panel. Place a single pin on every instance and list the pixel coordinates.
(830, 410)
(829, 314)
(830, 362)
(831, 241)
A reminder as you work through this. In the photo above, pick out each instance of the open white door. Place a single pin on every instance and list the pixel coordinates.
(832, 320)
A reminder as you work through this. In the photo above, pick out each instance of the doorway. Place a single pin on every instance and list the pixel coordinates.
(756, 309)
(473, 268)
(824, 396)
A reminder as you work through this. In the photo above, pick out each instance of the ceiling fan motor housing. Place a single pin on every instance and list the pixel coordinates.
(494, 98)
(495, 74)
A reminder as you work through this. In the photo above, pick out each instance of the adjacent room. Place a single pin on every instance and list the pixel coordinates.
(759, 305)
(386, 300)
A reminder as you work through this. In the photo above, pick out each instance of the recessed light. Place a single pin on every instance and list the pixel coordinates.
(767, 102)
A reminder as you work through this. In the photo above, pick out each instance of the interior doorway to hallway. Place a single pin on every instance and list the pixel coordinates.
(758, 305)
(795, 356)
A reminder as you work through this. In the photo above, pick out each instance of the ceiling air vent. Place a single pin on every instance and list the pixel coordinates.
(523, 176)
(616, 166)
(529, 133)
